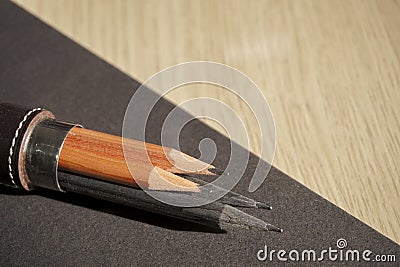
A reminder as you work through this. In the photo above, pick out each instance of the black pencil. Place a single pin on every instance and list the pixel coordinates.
(215, 215)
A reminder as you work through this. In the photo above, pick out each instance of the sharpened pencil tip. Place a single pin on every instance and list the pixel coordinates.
(273, 228)
(261, 205)
(216, 171)
(233, 216)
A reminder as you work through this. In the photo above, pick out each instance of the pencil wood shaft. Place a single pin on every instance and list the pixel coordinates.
(101, 155)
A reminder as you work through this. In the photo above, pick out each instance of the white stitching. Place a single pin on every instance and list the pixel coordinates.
(13, 143)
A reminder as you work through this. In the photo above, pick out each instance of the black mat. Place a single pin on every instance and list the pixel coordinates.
(41, 67)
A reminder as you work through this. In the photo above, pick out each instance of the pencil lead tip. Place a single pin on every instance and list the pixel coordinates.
(215, 171)
(273, 228)
(233, 216)
(261, 205)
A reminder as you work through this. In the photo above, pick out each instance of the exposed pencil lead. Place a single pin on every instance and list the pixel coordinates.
(216, 171)
(237, 200)
(230, 198)
(261, 205)
(273, 228)
(231, 216)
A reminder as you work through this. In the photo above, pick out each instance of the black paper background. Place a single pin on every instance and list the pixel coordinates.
(41, 67)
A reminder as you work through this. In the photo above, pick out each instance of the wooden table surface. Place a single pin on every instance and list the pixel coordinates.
(329, 69)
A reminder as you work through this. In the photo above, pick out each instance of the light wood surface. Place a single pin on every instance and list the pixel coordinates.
(329, 69)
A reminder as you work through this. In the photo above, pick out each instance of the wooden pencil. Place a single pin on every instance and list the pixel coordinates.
(102, 156)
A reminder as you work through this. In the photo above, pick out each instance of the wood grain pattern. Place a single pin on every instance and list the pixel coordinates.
(330, 71)
(102, 156)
